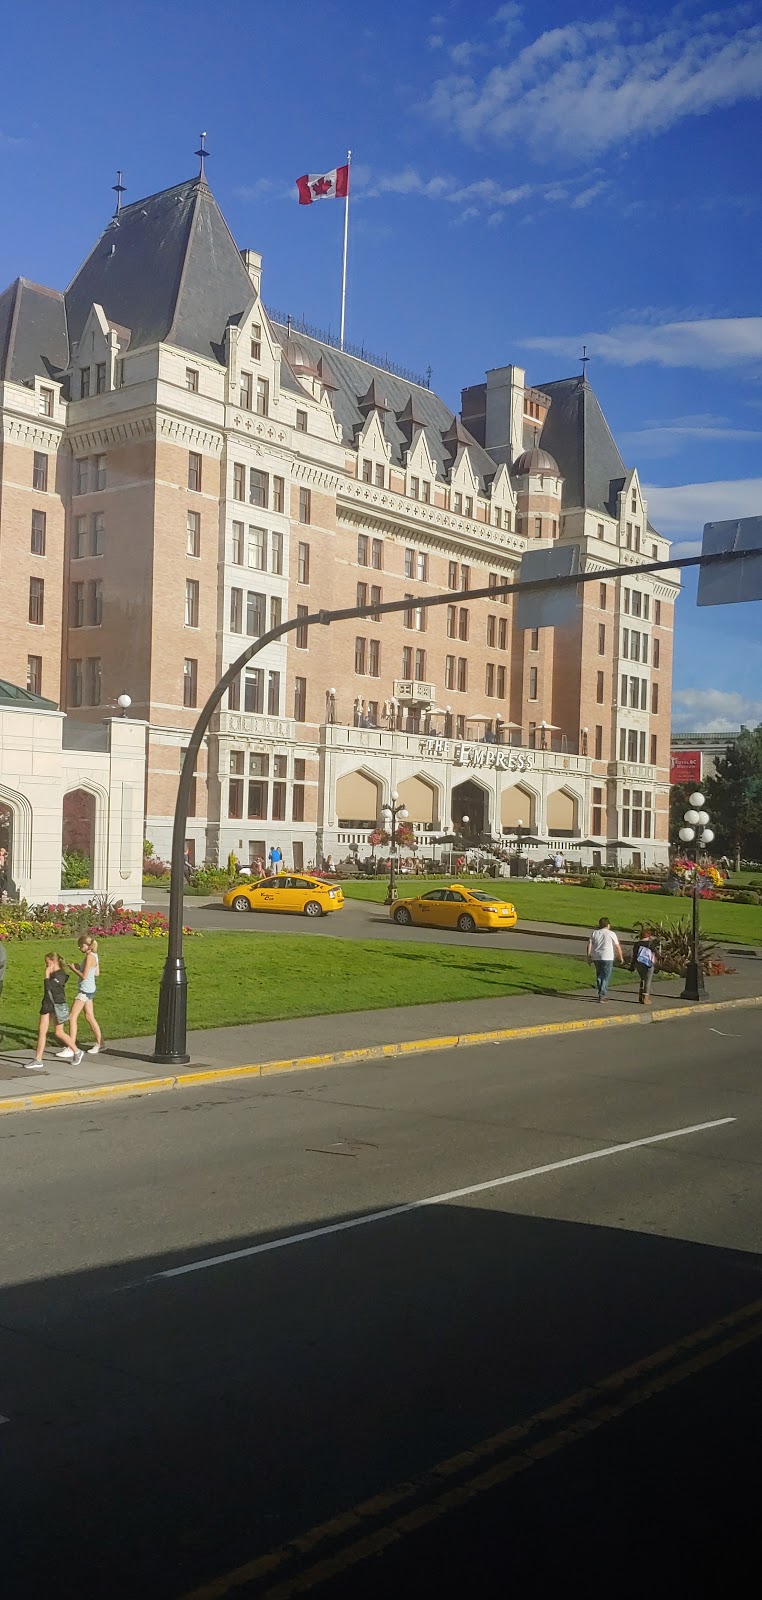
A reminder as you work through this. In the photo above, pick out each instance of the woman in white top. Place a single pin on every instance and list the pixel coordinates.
(603, 949)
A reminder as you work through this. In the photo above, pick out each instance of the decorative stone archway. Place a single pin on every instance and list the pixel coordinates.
(358, 799)
(421, 797)
(518, 807)
(562, 812)
(470, 799)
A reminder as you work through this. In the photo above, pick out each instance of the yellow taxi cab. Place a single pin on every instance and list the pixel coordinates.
(469, 910)
(289, 891)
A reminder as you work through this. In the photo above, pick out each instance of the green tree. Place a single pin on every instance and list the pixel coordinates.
(734, 798)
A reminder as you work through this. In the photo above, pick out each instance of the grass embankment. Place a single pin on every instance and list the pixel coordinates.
(235, 977)
(578, 907)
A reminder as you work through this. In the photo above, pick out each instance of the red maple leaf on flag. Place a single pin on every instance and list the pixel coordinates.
(321, 187)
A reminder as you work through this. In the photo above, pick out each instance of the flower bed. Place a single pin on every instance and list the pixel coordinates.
(105, 918)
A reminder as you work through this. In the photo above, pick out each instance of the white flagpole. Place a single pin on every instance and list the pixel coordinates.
(344, 257)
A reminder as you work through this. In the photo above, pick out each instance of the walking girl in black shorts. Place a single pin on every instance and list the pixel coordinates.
(54, 1005)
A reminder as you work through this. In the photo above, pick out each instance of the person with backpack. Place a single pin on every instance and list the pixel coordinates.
(643, 962)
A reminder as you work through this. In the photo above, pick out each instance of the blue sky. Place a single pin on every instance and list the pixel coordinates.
(524, 178)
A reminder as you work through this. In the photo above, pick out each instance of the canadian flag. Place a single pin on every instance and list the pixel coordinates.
(323, 185)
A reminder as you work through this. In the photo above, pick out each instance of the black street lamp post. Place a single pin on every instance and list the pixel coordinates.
(696, 831)
(396, 812)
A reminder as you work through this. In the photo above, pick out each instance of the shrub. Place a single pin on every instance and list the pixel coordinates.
(154, 868)
(101, 916)
(147, 849)
(595, 881)
(211, 880)
(745, 897)
(75, 870)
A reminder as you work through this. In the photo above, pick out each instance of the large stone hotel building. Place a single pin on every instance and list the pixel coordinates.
(180, 471)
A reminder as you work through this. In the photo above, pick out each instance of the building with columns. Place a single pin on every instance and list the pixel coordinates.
(181, 470)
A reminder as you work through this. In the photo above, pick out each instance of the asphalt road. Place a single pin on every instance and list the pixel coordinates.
(164, 1430)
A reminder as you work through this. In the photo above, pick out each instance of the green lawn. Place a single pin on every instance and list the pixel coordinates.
(236, 977)
(553, 902)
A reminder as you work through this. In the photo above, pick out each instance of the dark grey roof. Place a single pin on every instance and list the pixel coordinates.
(576, 432)
(354, 378)
(33, 340)
(22, 699)
(168, 269)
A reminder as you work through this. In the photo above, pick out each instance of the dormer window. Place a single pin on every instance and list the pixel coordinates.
(367, 472)
(634, 500)
(379, 476)
(84, 383)
(458, 507)
(301, 422)
(426, 492)
(46, 402)
(100, 378)
(469, 506)
(414, 488)
(245, 391)
(256, 342)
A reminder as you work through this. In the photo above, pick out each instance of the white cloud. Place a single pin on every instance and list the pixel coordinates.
(685, 508)
(486, 195)
(710, 343)
(658, 440)
(508, 17)
(588, 86)
(435, 41)
(713, 710)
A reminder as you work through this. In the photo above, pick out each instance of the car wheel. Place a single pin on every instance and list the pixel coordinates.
(402, 916)
(241, 903)
(313, 908)
(466, 923)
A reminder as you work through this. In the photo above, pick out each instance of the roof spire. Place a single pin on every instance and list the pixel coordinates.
(118, 189)
(584, 358)
(202, 154)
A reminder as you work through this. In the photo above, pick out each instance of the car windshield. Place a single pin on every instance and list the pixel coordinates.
(487, 898)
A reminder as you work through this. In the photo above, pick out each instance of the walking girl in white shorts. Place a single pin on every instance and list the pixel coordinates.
(88, 971)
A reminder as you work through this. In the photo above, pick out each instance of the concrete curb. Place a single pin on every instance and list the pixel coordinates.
(47, 1101)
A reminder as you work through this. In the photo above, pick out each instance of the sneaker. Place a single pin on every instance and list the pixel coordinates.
(78, 1054)
(94, 1049)
(64, 1055)
(34, 1066)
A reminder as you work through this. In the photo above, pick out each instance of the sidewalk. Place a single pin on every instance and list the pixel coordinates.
(130, 1060)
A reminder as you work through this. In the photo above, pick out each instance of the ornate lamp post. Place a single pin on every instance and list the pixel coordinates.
(695, 829)
(395, 812)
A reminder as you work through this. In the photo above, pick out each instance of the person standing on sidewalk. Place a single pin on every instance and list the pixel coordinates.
(644, 963)
(603, 949)
(53, 1005)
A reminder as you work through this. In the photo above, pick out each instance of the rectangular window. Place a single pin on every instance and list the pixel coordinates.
(420, 666)
(297, 803)
(463, 624)
(501, 683)
(623, 689)
(363, 549)
(636, 603)
(279, 493)
(280, 766)
(239, 481)
(491, 627)
(236, 611)
(502, 634)
(256, 611)
(94, 680)
(646, 607)
(193, 533)
(603, 596)
(237, 763)
(95, 603)
(75, 683)
(279, 802)
(258, 549)
(625, 644)
(300, 699)
(276, 610)
(119, 374)
(276, 553)
(533, 683)
(362, 594)
(626, 606)
(99, 526)
(596, 813)
(84, 383)
(372, 713)
(460, 727)
(377, 555)
(259, 488)
(462, 674)
(191, 379)
(194, 472)
(644, 694)
(489, 679)
(449, 672)
(191, 603)
(246, 391)
(601, 531)
(367, 472)
(301, 421)
(465, 577)
(256, 341)
(236, 551)
(634, 693)
(263, 397)
(599, 688)
(254, 691)
(99, 472)
(644, 649)
(458, 505)
(653, 749)
(39, 520)
(305, 505)
(257, 807)
(300, 768)
(601, 638)
(422, 566)
(80, 538)
(273, 694)
(469, 508)
(234, 695)
(40, 471)
(452, 575)
(642, 747)
(599, 745)
(538, 527)
(408, 616)
(654, 699)
(657, 653)
(46, 402)
(34, 674)
(303, 564)
(657, 612)
(235, 797)
(534, 639)
(622, 744)
(77, 606)
(376, 599)
(634, 645)
(632, 745)
(414, 490)
(190, 681)
(374, 658)
(301, 635)
(380, 477)
(409, 563)
(407, 661)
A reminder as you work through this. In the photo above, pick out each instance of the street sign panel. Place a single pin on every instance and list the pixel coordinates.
(548, 608)
(724, 584)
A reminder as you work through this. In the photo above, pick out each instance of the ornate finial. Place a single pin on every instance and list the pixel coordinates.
(202, 154)
(118, 189)
(584, 358)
